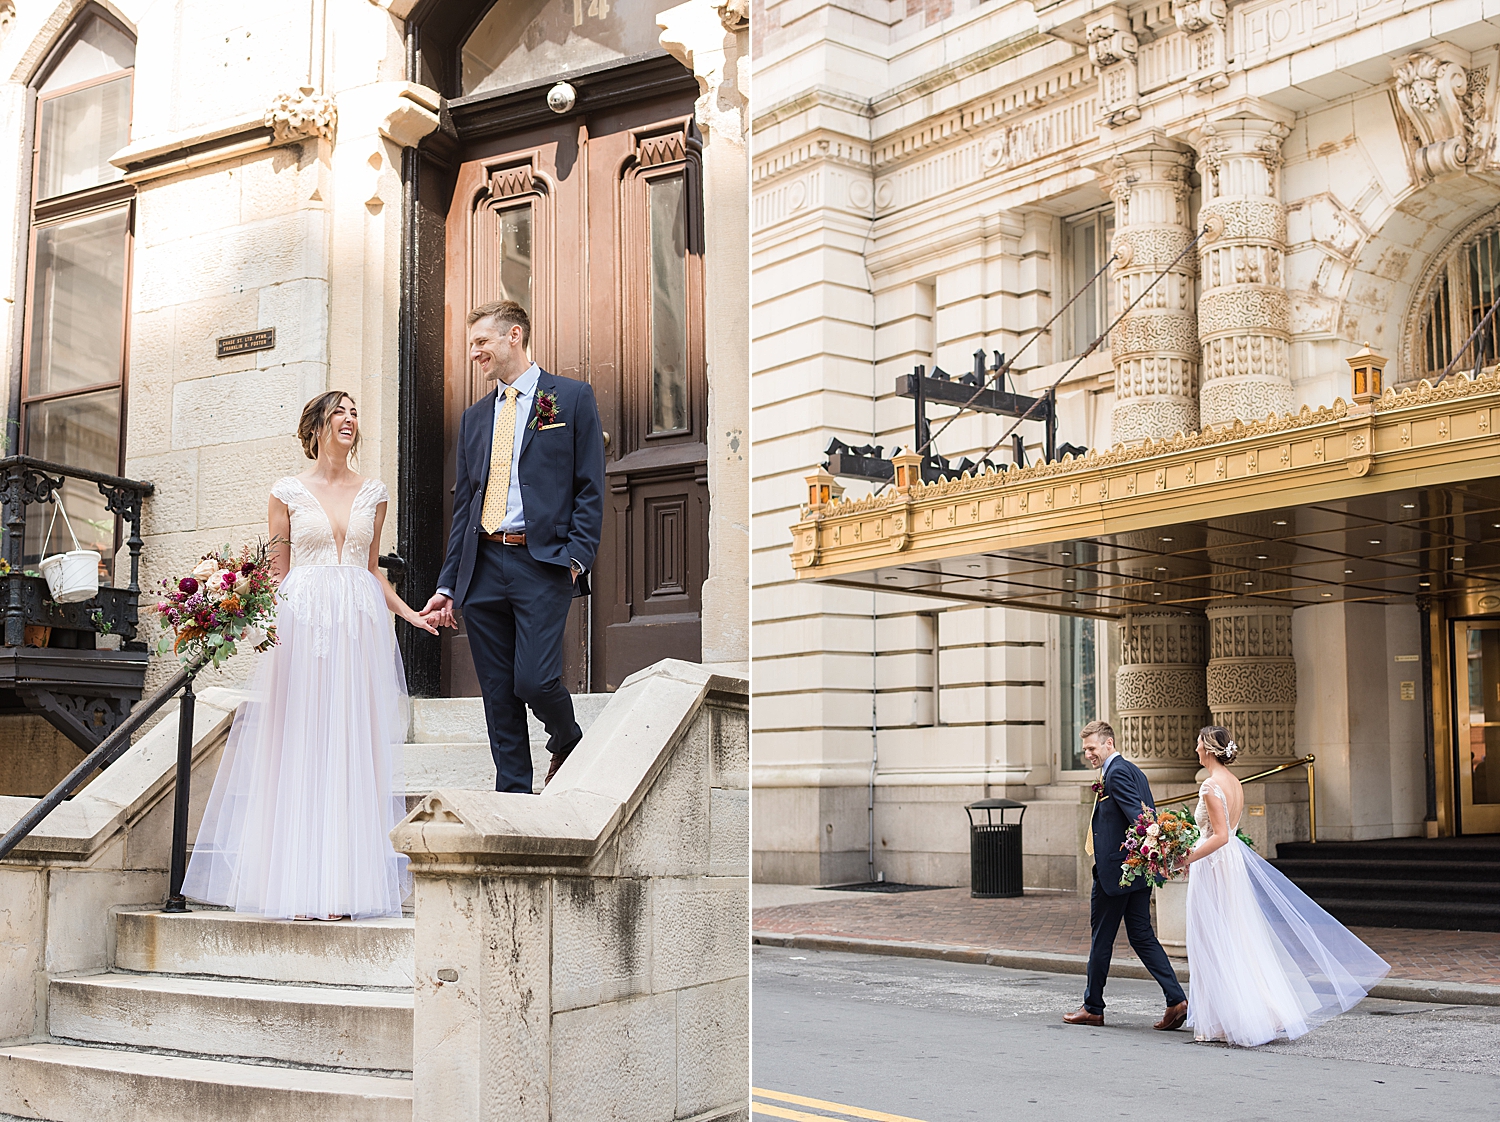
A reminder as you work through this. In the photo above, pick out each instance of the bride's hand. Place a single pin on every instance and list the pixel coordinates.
(416, 619)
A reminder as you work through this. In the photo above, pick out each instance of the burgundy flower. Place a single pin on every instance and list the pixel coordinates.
(188, 585)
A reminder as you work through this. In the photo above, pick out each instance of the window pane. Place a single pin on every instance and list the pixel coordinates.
(1079, 686)
(77, 134)
(524, 41)
(669, 380)
(514, 282)
(101, 49)
(78, 303)
(80, 432)
(1086, 309)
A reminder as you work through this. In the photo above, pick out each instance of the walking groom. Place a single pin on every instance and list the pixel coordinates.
(1125, 791)
(528, 503)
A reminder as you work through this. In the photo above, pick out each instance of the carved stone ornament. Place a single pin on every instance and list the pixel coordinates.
(1196, 15)
(302, 116)
(1112, 48)
(7, 18)
(1433, 95)
(734, 14)
(1109, 44)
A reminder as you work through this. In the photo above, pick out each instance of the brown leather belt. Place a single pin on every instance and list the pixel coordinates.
(505, 538)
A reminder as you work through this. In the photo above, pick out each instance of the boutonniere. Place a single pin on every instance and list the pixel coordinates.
(1098, 786)
(545, 411)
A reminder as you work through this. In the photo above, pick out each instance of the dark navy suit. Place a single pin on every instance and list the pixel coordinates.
(515, 599)
(1128, 791)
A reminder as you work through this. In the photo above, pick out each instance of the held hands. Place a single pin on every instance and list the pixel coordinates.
(418, 619)
(438, 613)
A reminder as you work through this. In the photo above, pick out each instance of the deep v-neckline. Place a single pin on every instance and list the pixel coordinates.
(323, 510)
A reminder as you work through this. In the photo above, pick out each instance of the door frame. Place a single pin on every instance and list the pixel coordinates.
(436, 30)
(1468, 819)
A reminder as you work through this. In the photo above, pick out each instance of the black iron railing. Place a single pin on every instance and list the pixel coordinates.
(25, 481)
(112, 748)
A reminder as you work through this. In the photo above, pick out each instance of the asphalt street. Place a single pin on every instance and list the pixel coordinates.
(874, 1037)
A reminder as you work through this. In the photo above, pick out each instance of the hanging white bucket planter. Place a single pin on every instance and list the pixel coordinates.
(71, 576)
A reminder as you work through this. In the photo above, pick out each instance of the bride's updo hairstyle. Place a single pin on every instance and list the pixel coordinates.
(1219, 743)
(315, 415)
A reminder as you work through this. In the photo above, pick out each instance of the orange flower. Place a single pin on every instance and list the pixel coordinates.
(231, 604)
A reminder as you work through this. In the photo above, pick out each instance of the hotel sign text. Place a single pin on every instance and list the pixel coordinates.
(1274, 28)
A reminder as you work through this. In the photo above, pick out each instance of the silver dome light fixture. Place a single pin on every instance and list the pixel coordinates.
(561, 98)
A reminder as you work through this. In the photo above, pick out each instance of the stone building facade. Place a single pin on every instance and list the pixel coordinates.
(1237, 197)
(178, 175)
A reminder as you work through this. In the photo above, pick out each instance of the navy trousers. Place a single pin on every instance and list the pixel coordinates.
(1105, 914)
(515, 613)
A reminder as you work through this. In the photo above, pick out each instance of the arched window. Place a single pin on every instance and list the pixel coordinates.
(522, 42)
(1462, 290)
(78, 270)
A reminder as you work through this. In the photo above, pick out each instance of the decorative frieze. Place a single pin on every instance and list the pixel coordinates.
(1155, 347)
(1160, 693)
(1252, 679)
(1244, 313)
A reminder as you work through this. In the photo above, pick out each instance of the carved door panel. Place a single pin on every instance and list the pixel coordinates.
(593, 225)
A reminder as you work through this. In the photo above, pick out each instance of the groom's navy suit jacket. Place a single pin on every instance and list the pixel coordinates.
(1126, 786)
(562, 483)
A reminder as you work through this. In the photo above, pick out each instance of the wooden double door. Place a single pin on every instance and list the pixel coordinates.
(594, 224)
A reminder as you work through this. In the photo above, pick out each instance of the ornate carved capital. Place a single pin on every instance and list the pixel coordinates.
(1109, 44)
(733, 14)
(1441, 109)
(302, 116)
(1196, 15)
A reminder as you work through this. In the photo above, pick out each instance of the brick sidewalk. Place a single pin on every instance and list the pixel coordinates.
(1060, 923)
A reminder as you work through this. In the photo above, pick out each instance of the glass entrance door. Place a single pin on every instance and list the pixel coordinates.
(1477, 684)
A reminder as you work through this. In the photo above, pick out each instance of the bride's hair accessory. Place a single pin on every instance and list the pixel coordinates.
(1219, 743)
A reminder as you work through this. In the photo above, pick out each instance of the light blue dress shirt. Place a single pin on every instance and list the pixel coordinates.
(515, 515)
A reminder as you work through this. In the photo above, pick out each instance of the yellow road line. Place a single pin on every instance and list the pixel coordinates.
(821, 1104)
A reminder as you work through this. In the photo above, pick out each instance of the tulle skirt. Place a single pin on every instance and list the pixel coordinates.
(1266, 961)
(310, 784)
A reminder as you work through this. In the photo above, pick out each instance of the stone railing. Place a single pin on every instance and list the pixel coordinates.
(583, 953)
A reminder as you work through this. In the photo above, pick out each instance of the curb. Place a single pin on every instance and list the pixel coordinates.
(1393, 989)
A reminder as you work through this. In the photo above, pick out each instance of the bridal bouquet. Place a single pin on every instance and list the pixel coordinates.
(227, 600)
(1155, 844)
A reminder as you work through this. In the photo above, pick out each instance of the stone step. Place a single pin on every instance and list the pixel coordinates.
(460, 720)
(73, 1083)
(314, 1026)
(470, 767)
(369, 952)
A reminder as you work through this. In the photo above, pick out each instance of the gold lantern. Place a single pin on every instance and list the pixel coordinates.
(908, 470)
(823, 489)
(1366, 367)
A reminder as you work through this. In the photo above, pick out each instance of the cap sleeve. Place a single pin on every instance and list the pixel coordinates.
(287, 490)
(378, 493)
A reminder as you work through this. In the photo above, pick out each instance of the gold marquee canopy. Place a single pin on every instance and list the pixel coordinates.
(1379, 500)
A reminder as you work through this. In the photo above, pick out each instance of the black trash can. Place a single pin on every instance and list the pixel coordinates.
(995, 850)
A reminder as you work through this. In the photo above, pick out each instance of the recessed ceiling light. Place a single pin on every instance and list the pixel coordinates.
(1074, 603)
(1069, 580)
(1161, 568)
(1260, 556)
(1425, 583)
(1279, 522)
(1374, 541)
(1327, 594)
(1408, 506)
(1156, 594)
(1348, 570)
(1166, 539)
(890, 578)
(1065, 553)
(973, 566)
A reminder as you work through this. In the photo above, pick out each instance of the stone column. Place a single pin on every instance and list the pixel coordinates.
(1244, 315)
(1155, 348)
(1159, 692)
(1252, 676)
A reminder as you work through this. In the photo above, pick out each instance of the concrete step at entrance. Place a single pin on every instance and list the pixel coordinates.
(72, 1083)
(460, 720)
(378, 953)
(370, 1030)
(467, 766)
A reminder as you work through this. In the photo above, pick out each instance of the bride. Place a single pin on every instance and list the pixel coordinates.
(1266, 961)
(297, 825)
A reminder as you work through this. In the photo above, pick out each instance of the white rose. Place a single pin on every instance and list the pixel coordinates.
(206, 568)
(1153, 830)
(241, 583)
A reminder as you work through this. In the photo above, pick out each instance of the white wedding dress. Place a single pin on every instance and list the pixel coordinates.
(1266, 961)
(310, 785)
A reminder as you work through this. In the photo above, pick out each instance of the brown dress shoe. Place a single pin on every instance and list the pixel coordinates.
(557, 762)
(1173, 1017)
(1083, 1017)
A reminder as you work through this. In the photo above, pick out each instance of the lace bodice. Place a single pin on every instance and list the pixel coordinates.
(313, 542)
(1200, 814)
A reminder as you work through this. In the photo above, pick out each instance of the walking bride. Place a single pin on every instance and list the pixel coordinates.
(297, 825)
(1266, 961)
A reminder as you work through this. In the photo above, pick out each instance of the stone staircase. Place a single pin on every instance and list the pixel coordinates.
(214, 1015)
(228, 1017)
(448, 745)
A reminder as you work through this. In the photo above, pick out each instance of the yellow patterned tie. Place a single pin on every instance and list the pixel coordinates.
(504, 443)
(1088, 837)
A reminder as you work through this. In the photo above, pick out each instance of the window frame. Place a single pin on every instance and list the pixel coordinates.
(42, 214)
(1100, 220)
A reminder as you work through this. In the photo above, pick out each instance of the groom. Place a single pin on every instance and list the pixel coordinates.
(528, 504)
(1115, 811)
